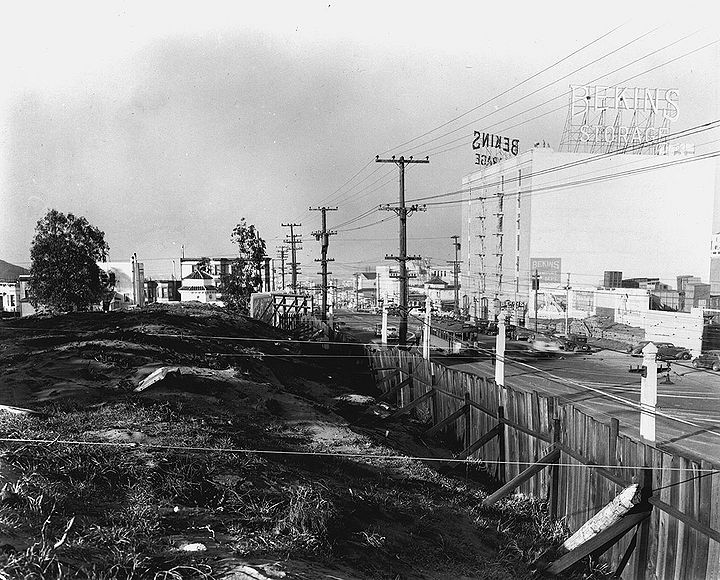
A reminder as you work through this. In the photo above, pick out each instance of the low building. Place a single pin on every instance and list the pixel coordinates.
(9, 301)
(365, 290)
(199, 287)
(167, 290)
(217, 267)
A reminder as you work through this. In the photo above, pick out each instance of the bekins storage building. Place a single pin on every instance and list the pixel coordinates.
(579, 215)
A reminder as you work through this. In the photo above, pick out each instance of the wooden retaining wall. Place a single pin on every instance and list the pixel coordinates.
(681, 537)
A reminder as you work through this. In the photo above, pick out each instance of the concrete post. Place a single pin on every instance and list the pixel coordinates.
(500, 351)
(384, 325)
(648, 393)
(426, 330)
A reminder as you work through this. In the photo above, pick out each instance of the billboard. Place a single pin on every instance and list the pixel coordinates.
(549, 270)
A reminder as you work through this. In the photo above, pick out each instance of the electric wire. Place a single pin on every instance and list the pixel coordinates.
(564, 95)
(506, 91)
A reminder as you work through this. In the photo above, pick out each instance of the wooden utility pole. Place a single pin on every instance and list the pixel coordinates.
(567, 306)
(536, 287)
(293, 240)
(282, 254)
(456, 264)
(402, 212)
(323, 236)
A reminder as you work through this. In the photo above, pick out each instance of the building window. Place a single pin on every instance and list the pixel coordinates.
(12, 300)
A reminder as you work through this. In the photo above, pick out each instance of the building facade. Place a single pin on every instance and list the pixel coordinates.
(570, 217)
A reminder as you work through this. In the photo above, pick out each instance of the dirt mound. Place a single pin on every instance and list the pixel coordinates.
(251, 456)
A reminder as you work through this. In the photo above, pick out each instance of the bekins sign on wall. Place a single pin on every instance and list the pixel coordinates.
(489, 142)
(548, 268)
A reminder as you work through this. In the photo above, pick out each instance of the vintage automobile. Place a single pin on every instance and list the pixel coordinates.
(392, 331)
(709, 360)
(545, 344)
(573, 342)
(666, 350)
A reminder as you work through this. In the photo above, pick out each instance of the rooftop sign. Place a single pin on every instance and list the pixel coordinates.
(495, 147)
(603, 118)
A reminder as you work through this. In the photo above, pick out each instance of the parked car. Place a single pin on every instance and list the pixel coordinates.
(573, 342)
(545, 344)
(666, 350)
(524, 334)
(708, 360)
(392, 331)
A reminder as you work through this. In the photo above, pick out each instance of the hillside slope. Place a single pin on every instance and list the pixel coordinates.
(255, 457)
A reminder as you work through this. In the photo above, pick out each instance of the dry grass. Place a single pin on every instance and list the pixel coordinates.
(120, 513)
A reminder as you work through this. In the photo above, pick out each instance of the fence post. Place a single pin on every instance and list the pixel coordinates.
(411, 386)
(500, 352)
(433, 404)
(612, 443)
(643, 536)
(555, 473)
(426, 330)
(468, 421)
(648, 392)
(502, 457)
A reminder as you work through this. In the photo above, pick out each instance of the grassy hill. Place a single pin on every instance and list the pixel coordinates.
(255, 457)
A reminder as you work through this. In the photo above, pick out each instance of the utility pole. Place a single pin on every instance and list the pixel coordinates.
(536, 287)
(402, 212)
(567, 306)
(323, 236)
(293, 240)
(282, 254)
(456, 263)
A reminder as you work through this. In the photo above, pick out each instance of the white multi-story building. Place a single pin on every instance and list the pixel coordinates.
(572, 216)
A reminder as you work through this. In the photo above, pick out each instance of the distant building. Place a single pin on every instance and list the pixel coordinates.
(167, 290)
(365, 290)
(9, 303)
(23, 292)
(612, 279)
(217, 267)
(578, 213)
(199, 287)
(127, 284)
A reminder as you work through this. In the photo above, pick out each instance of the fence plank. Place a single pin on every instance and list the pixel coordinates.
(526, 474)
(682, 544)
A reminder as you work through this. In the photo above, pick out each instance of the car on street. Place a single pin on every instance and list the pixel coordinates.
(708, 360)
(666, 350)
(392, 331)
(573, 342)
(545, 344)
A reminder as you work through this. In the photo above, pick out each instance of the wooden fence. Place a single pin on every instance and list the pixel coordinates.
(517, 434)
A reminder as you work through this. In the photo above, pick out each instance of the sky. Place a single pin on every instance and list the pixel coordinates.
(165, 124)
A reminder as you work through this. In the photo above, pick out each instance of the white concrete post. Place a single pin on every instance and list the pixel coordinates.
(648, 393)
(500, 351)
(384, 325)
(426, 330)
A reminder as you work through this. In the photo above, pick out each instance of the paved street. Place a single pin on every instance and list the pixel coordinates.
(601, 385)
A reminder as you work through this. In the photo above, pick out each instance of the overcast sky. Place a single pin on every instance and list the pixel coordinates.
(166, 123)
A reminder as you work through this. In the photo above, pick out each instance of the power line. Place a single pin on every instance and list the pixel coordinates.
(564, 95)
(506, 91)
(553, 82)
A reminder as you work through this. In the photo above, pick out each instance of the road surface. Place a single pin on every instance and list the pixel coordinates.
(599, 384)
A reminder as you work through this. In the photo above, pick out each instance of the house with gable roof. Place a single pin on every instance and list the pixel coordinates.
(199, 286)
